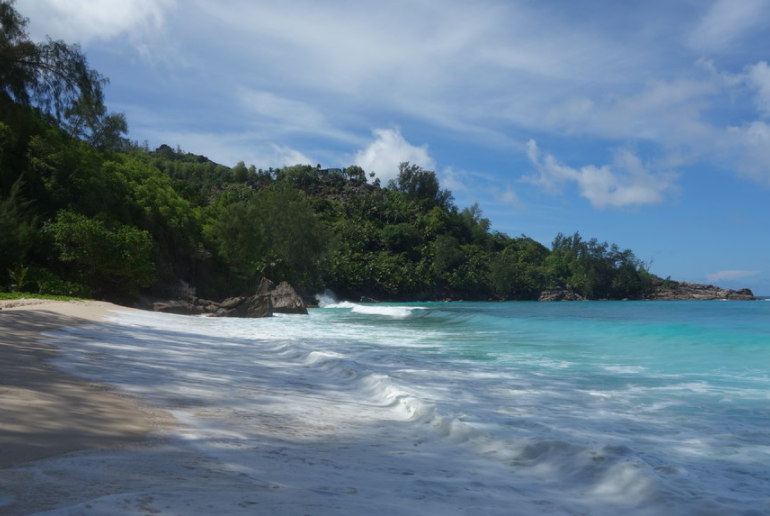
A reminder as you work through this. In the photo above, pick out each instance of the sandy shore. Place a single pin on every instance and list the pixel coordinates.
(45, 412)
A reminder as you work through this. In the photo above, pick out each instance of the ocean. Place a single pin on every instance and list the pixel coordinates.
(515, 408)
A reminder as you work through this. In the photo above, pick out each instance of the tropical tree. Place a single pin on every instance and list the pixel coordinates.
(113, 259)
(420, 185)
(17, 229)
(55, 77)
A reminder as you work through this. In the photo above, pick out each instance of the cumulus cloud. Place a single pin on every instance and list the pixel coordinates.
(625, 183)
(389, 149)
(730, 275)
(85, 20)
(681, 116)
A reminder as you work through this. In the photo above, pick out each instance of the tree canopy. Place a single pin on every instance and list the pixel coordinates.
(54, 77)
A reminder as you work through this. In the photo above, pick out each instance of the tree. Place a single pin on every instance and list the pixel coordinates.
(516, 272)
(355, 173)
(55, 77)
(295, 237)
(418, 184)
(16, 229)
(474, 227)
(273, 232)
(240, 173)
(238, 238)
(596, 269)
(402, 238)
(113, 259)
(88, 120)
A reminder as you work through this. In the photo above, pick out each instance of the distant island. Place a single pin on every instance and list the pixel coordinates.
(86, 212)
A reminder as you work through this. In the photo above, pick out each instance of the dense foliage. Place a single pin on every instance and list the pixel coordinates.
(85, 212)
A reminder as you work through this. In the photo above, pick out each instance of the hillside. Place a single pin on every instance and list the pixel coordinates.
(85, 212)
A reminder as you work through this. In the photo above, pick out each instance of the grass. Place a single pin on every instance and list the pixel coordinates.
(10, 296)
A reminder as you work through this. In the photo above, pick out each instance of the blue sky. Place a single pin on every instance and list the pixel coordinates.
(645, 124)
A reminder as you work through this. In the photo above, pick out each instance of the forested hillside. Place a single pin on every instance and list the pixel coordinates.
(85, 212)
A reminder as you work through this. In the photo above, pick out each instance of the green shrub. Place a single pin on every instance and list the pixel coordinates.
(48, 283)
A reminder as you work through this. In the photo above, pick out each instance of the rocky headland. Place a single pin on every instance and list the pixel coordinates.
(669, 290)
(663, 290)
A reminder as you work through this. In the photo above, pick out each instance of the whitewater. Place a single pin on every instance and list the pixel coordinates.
(600, 408)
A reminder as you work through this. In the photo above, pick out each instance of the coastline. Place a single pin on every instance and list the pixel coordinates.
(45, 412)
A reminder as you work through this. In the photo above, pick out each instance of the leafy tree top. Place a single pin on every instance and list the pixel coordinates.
(52, 75)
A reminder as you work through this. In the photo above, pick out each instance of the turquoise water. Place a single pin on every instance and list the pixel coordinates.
(601, 408)
(683, 387)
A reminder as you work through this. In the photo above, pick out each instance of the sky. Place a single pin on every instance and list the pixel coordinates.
(645, 124)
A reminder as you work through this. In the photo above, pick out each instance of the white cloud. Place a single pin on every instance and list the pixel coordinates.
(509, 197)
(289, 112)
(758, 77)
(286, 156)
(454, 180)
(489, 71)
(668, 112)
(387, 151)
(730, 275)
(278, 115)
(683, 117)
(725, 21)
(84, 20)
(749, 146)
(475, 68)
(625, 183)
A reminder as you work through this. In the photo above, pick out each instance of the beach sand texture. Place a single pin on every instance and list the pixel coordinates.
(45, 412)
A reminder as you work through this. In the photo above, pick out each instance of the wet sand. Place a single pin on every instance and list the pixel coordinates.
(45, 412)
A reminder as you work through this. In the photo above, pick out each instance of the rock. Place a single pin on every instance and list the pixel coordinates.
(269, 299)
(742, 294)
(232, 302)
(668, 290)
(286, 300)
(560, 294)
(261, 305)
(178, 306)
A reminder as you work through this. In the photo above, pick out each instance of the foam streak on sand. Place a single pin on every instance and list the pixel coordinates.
(400, 411)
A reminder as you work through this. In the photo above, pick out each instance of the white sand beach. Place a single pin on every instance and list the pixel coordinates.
(45, 412)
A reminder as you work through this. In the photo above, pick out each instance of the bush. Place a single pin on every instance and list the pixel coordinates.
(48, 283)
(110, 258)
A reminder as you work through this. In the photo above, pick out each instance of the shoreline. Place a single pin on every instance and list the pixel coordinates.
(45, 412)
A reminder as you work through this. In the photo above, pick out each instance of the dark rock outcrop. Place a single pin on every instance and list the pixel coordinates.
(668, 290)
(172, 306)
(286, 300)
(561, 294)
(269, 299)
